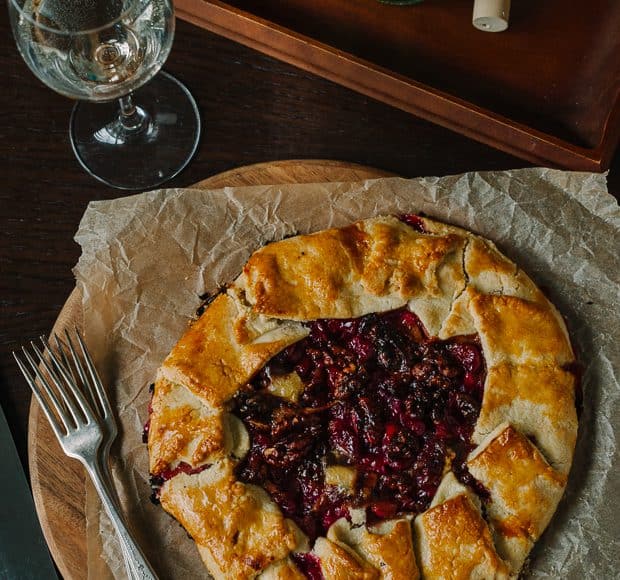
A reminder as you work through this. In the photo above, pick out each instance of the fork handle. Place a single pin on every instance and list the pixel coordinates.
(137, 561)
(104, 463)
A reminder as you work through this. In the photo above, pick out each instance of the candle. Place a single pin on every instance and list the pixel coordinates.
(491, 15)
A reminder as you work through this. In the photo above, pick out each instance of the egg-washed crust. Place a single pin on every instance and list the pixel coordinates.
(456, 283)
(389, 548)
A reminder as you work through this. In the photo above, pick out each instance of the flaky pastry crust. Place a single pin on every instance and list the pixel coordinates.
(457, 284)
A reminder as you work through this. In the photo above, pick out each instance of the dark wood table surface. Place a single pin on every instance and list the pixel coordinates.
(253, 108)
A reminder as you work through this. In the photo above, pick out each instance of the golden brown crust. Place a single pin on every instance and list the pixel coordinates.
(515, 330)
(490, 272)
(282, 570)
(389, 551)
(524, 490)
(221, 351)
(181, 428)
(340, 563)
(457, 283)
(539, 400)
(455, 543)
(238, 529)
(291, 278)
(341, 273)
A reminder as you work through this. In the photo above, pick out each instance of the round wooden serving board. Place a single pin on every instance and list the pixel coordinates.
(58, 482)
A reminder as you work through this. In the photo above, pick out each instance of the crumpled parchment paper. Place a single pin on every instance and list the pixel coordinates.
(146, 258)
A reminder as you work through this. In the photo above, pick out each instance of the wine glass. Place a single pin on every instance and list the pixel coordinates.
(101, 51)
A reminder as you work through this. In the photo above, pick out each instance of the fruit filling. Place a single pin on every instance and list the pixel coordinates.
(157, 481)
(309, 565)
(414, 221)
(364, 413)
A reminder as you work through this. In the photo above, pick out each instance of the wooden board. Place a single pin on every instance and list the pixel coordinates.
(58, 482)
(545, 90)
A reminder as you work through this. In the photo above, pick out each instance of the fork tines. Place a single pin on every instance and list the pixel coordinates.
(64, 382)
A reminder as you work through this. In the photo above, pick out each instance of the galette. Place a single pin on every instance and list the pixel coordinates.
(391, 399)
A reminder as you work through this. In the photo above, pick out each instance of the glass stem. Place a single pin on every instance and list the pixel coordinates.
(132, 118)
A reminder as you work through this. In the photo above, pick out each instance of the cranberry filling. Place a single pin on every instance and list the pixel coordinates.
(146, 428)
(147, 425)
(158, 480)
(413, 220)
(380, 396)
(309, 565)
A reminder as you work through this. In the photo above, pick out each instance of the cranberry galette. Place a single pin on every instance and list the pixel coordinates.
(393, 399)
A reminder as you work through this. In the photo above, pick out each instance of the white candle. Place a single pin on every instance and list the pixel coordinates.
(491, 15)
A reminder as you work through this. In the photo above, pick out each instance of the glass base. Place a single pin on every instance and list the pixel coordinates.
(163, 139)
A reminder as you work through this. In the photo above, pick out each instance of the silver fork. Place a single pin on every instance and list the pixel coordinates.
(96, 397)
(84, 429)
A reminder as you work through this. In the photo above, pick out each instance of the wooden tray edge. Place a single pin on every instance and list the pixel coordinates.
(441, 108)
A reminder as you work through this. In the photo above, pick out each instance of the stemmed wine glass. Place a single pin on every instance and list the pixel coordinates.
(106, 51)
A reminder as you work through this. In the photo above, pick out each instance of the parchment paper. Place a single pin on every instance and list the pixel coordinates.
(145, 259)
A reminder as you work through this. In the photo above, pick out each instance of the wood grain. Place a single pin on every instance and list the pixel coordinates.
(57, 482)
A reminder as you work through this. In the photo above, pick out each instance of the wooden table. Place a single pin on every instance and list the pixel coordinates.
(253, 109)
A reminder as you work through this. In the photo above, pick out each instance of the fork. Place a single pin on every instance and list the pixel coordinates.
(101, 405)
(84, 429)
(98, 400)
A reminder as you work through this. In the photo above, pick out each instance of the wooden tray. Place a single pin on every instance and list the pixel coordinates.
(546, 90)
(57, 482)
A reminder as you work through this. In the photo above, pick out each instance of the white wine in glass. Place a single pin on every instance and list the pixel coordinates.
(128, 129)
